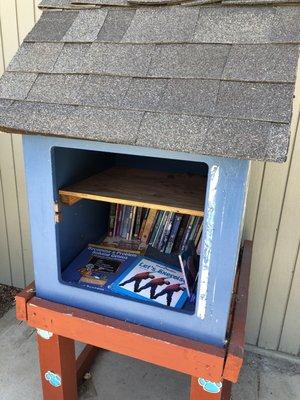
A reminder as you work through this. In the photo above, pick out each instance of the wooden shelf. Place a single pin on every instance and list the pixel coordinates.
(183, 193)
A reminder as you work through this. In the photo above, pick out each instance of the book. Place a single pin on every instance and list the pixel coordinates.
(160, 228)
(189, 262)
(148, 225)
(173, 233)
(156, 227)
(138, 220)
(116, 220)
(112, 217)
(182, 227)
(166, 232)
(119, 220)
(132, 222)
(144, 219)
(187, 233)
(97, 267)
(154, 282)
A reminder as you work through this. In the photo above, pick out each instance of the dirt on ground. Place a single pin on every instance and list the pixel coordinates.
(7, 298)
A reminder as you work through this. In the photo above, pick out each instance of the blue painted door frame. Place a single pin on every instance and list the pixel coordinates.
(224, 212)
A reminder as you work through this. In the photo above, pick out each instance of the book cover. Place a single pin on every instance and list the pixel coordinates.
(154, 282)
(173, 233)
(97, 267)
(189, 262)
(112, 217)
(148, 225)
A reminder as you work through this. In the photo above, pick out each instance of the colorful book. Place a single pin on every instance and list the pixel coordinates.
(182, 227)
(166, 232)
(187, 233)
(112, 218)
(119, 220)
(148, 225)
(156, 227)
(138, 221)
(154, 282)
(97, 267)
(189, 262)
(173, 233)
(160, 228)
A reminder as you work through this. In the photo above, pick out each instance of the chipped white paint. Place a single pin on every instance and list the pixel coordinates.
(206, 244)
(44, 334)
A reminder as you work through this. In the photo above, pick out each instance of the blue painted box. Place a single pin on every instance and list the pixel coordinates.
(52, 163)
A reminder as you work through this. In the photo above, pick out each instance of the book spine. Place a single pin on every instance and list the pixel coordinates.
(112, 218)
(166, 232)
(198, 233)
(138, 220)
(187, 233)
(123, 222)
(132, 222)
(155, 227)
(116, 220)
(119, 222)
(148, 225)
(146, 212)
(160, 229)
(128, 223)
(173, 233)
(194, 229)
(180, 234)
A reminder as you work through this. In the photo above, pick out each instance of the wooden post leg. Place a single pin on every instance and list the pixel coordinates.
(58, 368)
(198, 393)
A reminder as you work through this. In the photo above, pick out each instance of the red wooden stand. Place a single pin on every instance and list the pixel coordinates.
(61, 372)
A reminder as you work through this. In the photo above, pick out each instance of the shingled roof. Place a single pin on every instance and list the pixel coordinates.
(215, 79)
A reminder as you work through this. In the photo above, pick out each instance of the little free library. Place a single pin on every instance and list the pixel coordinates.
(139, 122)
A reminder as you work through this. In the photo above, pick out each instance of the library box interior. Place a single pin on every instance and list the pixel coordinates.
(142, 235)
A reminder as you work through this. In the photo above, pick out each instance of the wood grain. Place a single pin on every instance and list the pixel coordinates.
(183, 193)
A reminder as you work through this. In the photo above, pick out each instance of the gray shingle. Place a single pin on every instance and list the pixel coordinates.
(260, 101)
(115, 25)
(287, 27)
(274, 63)
(144, 94)
(104, 91)
(119, 3)
(86, 26)
(44, 4)
(174, 24)
(72, 58)
(59, 89)
(118, 59)
(52, 26)
(15, 85)
(189, 61)
(241, 139)
(4, 103)
(277, 147)
(36, 57)
(234, 25)
(173, 132)
(256, 2)
(190, 96)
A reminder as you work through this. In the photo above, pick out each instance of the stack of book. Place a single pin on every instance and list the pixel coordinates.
(167, 231)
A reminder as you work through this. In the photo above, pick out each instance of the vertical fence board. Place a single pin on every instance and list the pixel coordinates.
(290, 338)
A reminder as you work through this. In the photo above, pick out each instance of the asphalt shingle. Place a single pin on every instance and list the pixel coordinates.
(61, 4)
(260, 101)
(52, 26)
(118, 59)
(144, 94)
(262, 63)
(173, 132)
(72, 58)
(86, 26)
(192, 96)
(115, 25)
(36, 57)
(16, 86)
(234, 25)
(175, 24)
(189, 61)
(57, 89)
